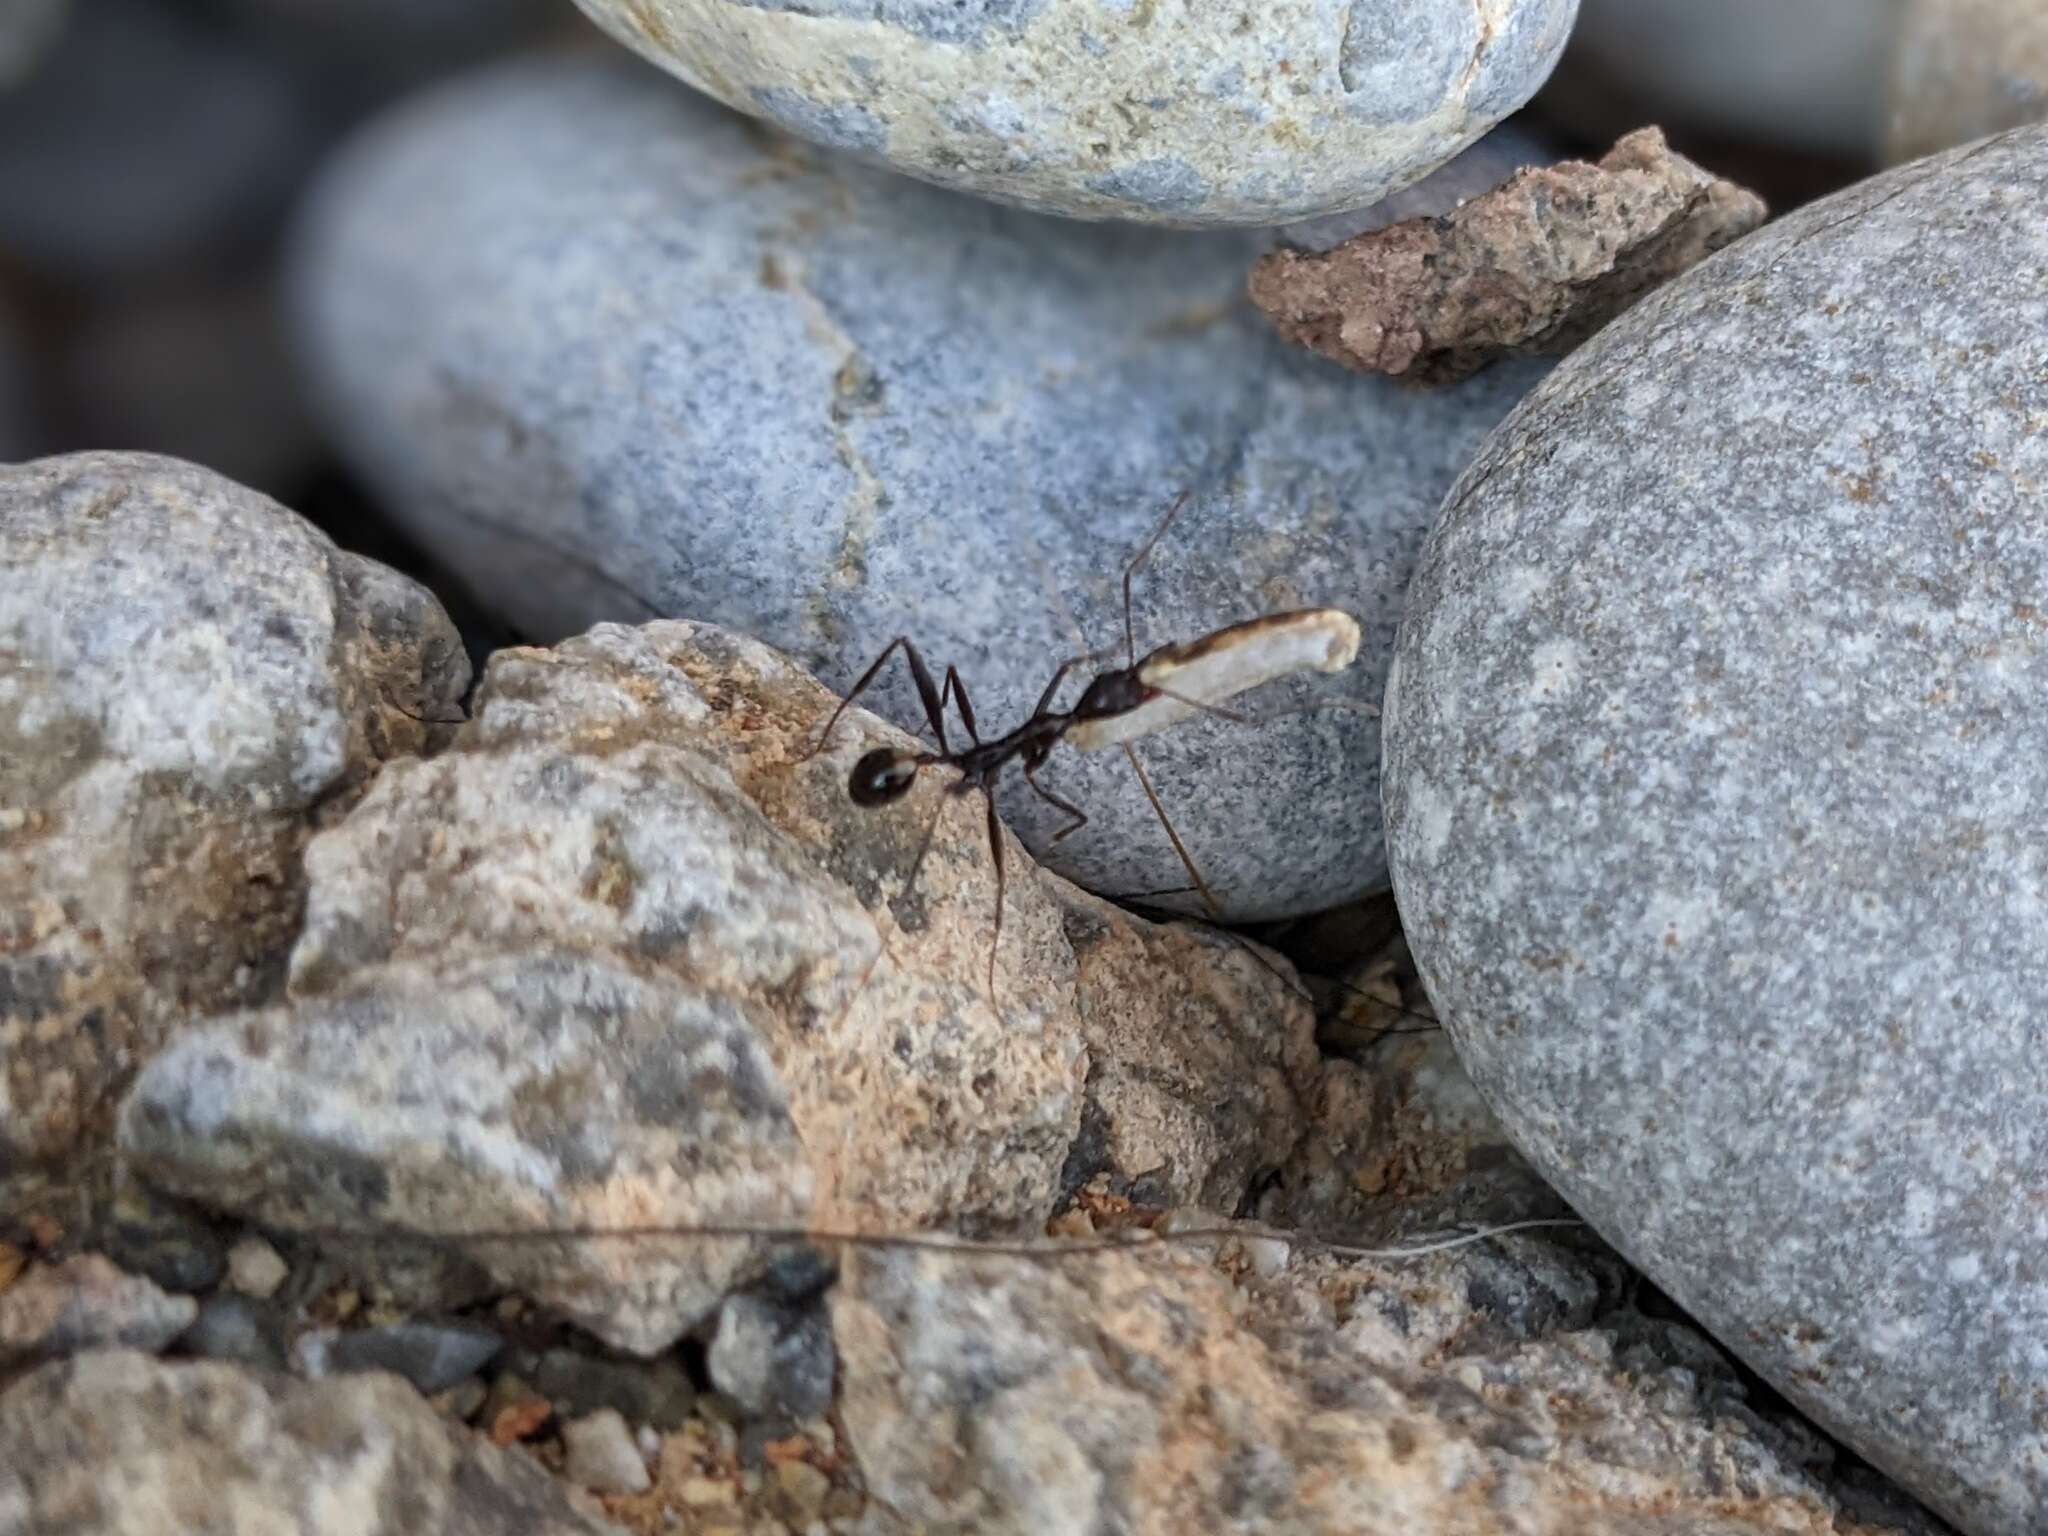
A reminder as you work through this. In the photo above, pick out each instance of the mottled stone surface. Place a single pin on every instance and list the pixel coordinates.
(1800, 74)
(86, 1303)
(234, 1328)
(773, 1358)
(1963, 69)
(1534, 266)
(191, 678)
(626, 955)
(1506, 150)
(599, 1454)
(431, 1353)
(1713, 772)
(493, 1094)
(613, 355)
(1161, 114)
(255, 1268)
(1401, 1137)
(1149, 1393)
(648, 1392)
(116, 1444)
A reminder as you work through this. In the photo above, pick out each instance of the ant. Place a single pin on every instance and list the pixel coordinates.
(1116, 706)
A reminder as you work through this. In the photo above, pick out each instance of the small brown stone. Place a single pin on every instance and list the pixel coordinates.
(518, 1421)
(802, 1488)
(1535, 266)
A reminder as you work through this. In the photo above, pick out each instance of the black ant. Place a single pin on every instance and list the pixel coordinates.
(1115, 707)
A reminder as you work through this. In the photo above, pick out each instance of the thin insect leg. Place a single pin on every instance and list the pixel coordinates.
(1166, 821)
(1144, 551)
(1080, 816)
(923, 848)
(995, 848)
(919, 673)
(956, 690)
(934, 707)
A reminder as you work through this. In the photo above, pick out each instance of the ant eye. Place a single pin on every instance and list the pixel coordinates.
(881, 776)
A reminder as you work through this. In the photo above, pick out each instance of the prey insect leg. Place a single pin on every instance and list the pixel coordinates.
(920, 674)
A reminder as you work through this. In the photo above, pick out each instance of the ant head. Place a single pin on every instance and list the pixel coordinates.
(882, 775)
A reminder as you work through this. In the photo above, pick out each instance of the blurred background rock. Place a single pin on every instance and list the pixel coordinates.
(152, 153)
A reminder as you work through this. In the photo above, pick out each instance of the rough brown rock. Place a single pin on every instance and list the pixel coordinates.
(116, 1444)
(1146, 1393)
(627, 955)
(1535, 266)
(191, 678)
(86, 1303)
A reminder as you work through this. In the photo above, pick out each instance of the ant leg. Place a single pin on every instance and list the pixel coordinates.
(1144, 551)
(1080, 817)
(956, 690)
(995, 938)
(1187, 860)
(919, 674)
(931, 831)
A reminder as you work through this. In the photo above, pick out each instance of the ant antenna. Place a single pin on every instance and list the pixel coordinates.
(1131, 569)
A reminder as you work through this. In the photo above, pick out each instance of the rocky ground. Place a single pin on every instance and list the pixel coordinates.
(467, 1062)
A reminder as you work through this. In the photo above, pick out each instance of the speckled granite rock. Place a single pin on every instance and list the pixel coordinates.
(86, 1303)
(1807, 75)
(774, 1358)
(625, 956)
(1506, 150)
(1963, 69)
(1714, 758)
(431, 1353)
(618, 357)
(1178, 115)
(994, 1397)
(493, 1095)
(116, 1444)
(190, 679)
(1400, 1139)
